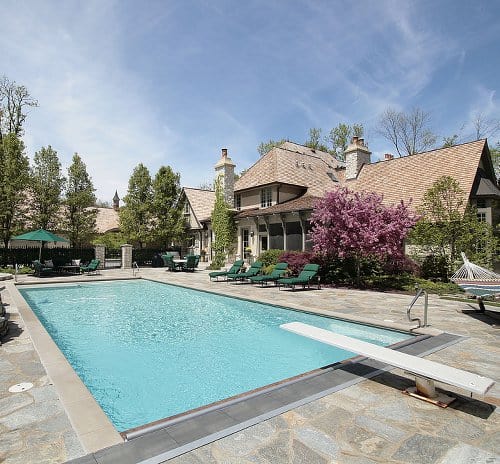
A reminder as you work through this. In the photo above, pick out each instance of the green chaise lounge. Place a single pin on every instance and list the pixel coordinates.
(275, 274)
(91, 268)
(254, 269)
(306, 276)
(234, 269)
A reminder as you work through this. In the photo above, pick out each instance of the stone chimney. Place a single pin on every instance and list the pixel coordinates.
(356, 155)
(225, 169)
(388, 157)
(116, 201)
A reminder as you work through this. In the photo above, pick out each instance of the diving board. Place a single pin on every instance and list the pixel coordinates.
(425, 371)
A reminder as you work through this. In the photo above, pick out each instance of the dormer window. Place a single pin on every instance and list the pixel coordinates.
(186, 207)
(266, 197)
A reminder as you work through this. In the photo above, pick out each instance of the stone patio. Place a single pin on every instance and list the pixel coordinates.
(365, 423)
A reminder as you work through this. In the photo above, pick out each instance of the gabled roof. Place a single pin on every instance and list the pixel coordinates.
(410, 177)
(292, 164)
(201, 202)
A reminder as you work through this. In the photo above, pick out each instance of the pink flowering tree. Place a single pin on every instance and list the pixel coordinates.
(356, 225)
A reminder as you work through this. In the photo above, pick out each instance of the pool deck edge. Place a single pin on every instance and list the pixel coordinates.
(92, 426)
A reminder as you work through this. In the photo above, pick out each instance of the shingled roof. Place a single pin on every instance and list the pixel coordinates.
(107, 220)
(292, 164)
(410, 177)
(406, 178)
(201, 202)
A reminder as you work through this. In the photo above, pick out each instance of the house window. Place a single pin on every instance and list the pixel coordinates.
(481, 217)
(237, 201)
(266, 197)
(481, 203)
(186, 208)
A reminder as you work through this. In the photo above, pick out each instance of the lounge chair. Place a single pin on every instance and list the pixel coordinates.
(168, 259)
(254, 269)
(306, 276)
(235, 268)
(190, 264)
(91, 268)
(275, 274)
(42, 269)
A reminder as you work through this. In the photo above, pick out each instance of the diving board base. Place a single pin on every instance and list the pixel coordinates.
(441, 400)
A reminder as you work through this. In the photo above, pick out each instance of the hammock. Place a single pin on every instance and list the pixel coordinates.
(476, 280)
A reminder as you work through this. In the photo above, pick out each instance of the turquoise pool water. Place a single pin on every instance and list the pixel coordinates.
(147, 350)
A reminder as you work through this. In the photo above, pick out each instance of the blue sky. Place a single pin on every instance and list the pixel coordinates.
(173, 82)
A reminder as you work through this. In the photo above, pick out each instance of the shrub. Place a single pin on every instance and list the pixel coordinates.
(270, 257)
(297, 260)
(435, 267)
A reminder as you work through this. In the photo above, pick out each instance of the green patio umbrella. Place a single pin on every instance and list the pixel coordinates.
(41, 236)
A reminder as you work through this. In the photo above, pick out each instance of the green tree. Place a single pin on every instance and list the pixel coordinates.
(79, 201)
(223, 227)
(14, 175)
(265, 147)
(449, 226)
(167, 207)
(136, 216)
(314, 140)
(46, 185)
(340, 137)
(14, 99)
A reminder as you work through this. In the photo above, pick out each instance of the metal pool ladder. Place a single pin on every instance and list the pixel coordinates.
(135, 268)
(420, 292)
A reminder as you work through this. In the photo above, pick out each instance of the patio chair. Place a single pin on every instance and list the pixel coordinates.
(235, 268)
(91, 268)
(306, 276)
(254, 269)
(275, 274)
(168, 259)
(190, 263)
(42, 269)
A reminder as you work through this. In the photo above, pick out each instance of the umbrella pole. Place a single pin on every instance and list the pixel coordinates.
(40, 254)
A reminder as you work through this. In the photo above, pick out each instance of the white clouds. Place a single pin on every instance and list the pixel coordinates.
(175, 82)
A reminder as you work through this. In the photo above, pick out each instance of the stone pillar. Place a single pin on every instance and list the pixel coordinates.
(100, 254)
(126, 256)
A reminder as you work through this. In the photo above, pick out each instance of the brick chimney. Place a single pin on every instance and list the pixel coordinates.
(388, 157)
(225, 169)
(356, 155)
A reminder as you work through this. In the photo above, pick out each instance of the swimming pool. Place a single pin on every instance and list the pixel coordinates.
(147, 350)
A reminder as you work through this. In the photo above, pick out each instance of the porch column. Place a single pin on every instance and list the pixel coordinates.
(302, 220)
(283, 225)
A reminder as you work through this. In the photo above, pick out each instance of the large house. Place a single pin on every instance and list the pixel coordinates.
(274, 198)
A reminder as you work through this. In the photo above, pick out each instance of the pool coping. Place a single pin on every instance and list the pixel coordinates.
(93, 428)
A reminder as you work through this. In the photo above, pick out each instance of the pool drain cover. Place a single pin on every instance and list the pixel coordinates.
(20, 387)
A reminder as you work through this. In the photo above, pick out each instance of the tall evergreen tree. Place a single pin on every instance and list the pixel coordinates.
(46, 185)
(135, 216)
(14, 174)
(167, 207)
(80, 220)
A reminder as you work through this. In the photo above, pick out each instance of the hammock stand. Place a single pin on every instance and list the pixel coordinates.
(477, 280)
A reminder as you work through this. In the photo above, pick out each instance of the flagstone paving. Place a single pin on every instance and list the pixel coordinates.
(371, 422)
